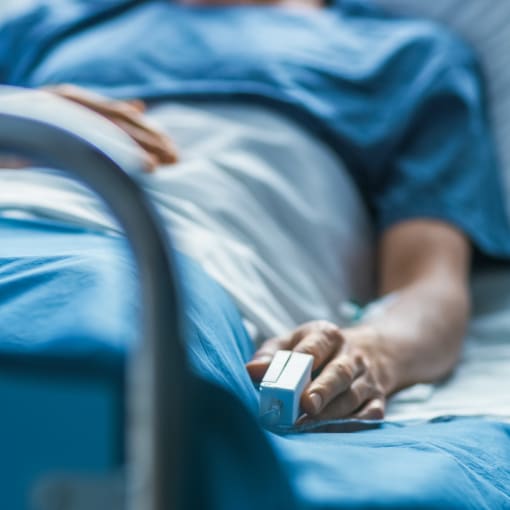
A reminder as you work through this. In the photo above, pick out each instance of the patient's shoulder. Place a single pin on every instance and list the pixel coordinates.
(440, 39)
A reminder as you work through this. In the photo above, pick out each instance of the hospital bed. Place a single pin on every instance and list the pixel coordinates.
(191, 443)
(185, 434)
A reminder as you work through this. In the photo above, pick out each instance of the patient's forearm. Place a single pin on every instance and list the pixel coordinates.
(428, 264)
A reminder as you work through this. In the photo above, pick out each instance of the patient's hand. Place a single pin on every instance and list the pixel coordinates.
(128, 115)
(418, 339)
(352, 368)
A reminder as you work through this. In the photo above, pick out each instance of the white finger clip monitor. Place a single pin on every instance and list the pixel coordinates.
(282, 386)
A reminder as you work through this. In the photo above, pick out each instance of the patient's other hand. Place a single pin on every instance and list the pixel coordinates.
(128, 115)
(353, 370)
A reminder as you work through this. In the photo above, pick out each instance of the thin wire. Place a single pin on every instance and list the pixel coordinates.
(340, 425)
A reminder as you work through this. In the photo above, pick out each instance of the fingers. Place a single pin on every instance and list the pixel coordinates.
(127, 115)
(137, 104)
(363, 397)
(336, 378)
(156, 144)
(372, 410)
(129, 119)
(262, 358)
(150, 162)
(78, 95)
(321, 341)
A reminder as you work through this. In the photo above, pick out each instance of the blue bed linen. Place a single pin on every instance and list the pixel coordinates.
(400, 100)
(58, 286)
(71, 295)
(462, 464)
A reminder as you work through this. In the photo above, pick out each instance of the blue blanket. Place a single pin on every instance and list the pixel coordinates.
(69, 297)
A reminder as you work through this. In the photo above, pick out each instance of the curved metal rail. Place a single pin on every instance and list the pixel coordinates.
(72, 141)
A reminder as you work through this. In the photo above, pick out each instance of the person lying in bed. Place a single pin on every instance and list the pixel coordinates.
(283, 121)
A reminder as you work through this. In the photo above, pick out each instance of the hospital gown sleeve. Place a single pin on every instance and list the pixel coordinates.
(445, 165)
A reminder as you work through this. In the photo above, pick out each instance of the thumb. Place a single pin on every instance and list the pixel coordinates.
(261, 360)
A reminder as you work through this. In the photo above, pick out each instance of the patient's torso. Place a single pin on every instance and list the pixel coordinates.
(266, 209)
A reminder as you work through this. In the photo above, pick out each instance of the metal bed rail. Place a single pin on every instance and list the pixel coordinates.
(81, 145)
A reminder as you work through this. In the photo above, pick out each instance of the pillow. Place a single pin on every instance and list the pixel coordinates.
(486, 26)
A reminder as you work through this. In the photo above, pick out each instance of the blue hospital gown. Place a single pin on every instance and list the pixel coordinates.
(400, 100)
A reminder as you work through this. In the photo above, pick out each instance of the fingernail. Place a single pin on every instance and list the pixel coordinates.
(316, 401)
(302, 420)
